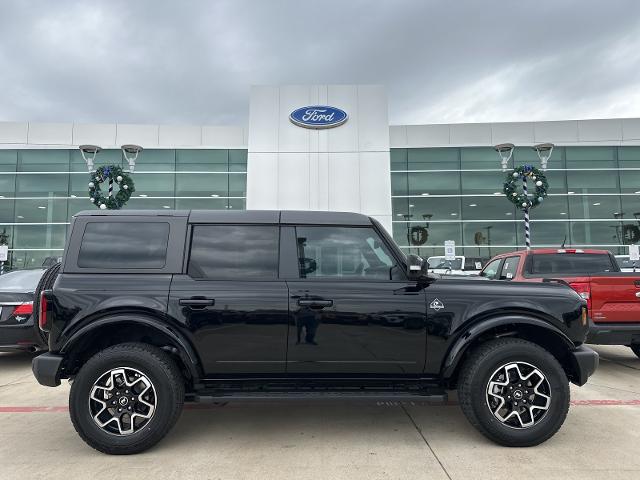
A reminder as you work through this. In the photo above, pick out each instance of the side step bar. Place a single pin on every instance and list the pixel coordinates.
(427, 396)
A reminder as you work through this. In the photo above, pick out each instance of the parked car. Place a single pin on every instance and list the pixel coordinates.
(17, 329)
(627, 265)
(152, 308)
(460, 265)
(613, 297)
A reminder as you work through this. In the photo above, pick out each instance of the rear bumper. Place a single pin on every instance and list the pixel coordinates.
(20, 338)
(585, 362)
(47, 369)
(613, 333)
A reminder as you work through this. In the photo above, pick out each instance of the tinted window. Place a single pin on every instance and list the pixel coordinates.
(509, 268)
(442, 262)
(343, 252)
(491, 270)
(570, 263)
(241, 252)
(111, 245)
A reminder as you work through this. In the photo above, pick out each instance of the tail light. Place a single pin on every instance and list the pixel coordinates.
(24, 309)
(42, 313)
(584, 290)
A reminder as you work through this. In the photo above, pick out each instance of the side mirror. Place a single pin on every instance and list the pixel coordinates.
(415, 265)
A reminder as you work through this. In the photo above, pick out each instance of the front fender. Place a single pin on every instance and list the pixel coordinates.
(471, 334)
(186, 351)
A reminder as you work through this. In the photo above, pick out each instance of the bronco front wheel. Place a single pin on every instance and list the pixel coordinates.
(126, 398)
(514, 392)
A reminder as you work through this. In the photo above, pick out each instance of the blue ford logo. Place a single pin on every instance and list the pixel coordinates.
(318, 116)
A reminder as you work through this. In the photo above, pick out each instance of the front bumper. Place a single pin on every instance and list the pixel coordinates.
(47, 369)
(585, 362)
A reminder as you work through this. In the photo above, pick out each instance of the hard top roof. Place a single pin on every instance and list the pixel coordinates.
(245, 216)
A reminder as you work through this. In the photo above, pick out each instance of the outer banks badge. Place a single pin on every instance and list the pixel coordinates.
(437, 305)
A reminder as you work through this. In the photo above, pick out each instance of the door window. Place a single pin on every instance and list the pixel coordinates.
(343, 252)
(509, 268)
(491, 270)
(239, 252)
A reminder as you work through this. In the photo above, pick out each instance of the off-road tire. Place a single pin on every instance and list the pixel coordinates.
(636, 349)
(472, 391)
(46, 283)
(163, 373)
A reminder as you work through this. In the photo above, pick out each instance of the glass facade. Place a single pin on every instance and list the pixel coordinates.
(456, 194)
(41, 189)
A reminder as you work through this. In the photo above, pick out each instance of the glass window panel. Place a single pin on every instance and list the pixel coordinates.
(589, 181)
(596, 233)
(7, 185)
(8, 160)
(480, 158)
(7, 213)
(202, 184)
(111, 156)
(441, 183)
(202, 204)
(398, 158)
(202, 160)
(496, 207)
(41, 211)
(154, 161)
(32, 258)
(234, 251)
(630, 180)
(524, 155)
(485, 252)
(433, 159)
(140, 203)
(237, 203)
(483, 182)
(544, 233)
(428, 208)
(489, 233)
(590, 157)
(555, 206)
(237, 185)
(594, 206)
(153, 184)
(630, 207)
(237, 160)
(111, 245)
(39, 236)
(432, 236)
(400, 183)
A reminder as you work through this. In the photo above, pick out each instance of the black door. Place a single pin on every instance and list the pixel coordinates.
(353, 310)
(232, 301)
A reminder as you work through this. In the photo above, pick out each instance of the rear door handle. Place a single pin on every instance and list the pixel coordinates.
(315, 303)
(638, 294)
(197, 302)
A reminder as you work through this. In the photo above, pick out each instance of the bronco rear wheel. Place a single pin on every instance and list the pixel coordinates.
(514, 392)
(126, 398)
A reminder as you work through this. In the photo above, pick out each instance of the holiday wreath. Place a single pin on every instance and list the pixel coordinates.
(111, 201)
(520, 197)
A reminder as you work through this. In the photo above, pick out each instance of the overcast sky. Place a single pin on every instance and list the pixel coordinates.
(192, 62)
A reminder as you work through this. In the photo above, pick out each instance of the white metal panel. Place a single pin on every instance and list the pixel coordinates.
(512, 132)
(631, 129)
(180, 135)
(292, 138)
(344, 181)
(345, 137)
(428, 135)
(293, 181)
(143, 135)
(13, 132)
(599, 130)
(222, 136)
(398, 136)
(375, 183)
(50, 133)
(373, 118)
(102, 134)
(556, 132)
(470, 134)
(264, 114)
(262, 181)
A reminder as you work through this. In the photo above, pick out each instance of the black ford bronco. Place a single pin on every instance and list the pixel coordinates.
(152, 309)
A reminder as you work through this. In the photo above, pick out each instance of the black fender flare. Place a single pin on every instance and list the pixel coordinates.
(186, 351)
(465, 339)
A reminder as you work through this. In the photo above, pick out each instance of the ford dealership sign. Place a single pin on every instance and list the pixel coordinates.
(318, 116)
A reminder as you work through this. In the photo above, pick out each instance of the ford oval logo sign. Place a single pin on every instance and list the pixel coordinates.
(318, 116)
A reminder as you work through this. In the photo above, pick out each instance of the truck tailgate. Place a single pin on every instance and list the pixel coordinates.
(615, 298)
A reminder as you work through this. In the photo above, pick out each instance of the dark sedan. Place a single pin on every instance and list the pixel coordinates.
(17, 329)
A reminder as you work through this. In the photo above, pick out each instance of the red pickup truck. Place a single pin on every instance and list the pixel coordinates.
(613, 297)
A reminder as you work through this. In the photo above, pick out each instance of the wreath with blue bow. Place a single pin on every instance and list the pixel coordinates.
(115, 175)
(515, 193)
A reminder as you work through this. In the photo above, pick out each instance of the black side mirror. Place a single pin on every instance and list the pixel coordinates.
(415, 265)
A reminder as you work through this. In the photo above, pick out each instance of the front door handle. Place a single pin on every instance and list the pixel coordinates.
(315, 303)
(197, 302)
(638, 294)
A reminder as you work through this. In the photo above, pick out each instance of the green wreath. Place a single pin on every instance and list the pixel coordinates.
(117, 176)
(513, 187)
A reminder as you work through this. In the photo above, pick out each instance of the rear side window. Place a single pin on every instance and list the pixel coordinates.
(109, 245)
(550, 263)
(239, 252)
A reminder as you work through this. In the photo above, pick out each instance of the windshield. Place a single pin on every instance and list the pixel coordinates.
(441, 262)
(20, 280)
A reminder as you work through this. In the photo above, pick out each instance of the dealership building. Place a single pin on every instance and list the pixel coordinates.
(425, 183)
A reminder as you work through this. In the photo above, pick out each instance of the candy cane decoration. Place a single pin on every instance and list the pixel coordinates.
(110, 187)
(527, 231)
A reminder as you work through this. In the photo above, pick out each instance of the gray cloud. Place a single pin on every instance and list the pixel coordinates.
(193, 62)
